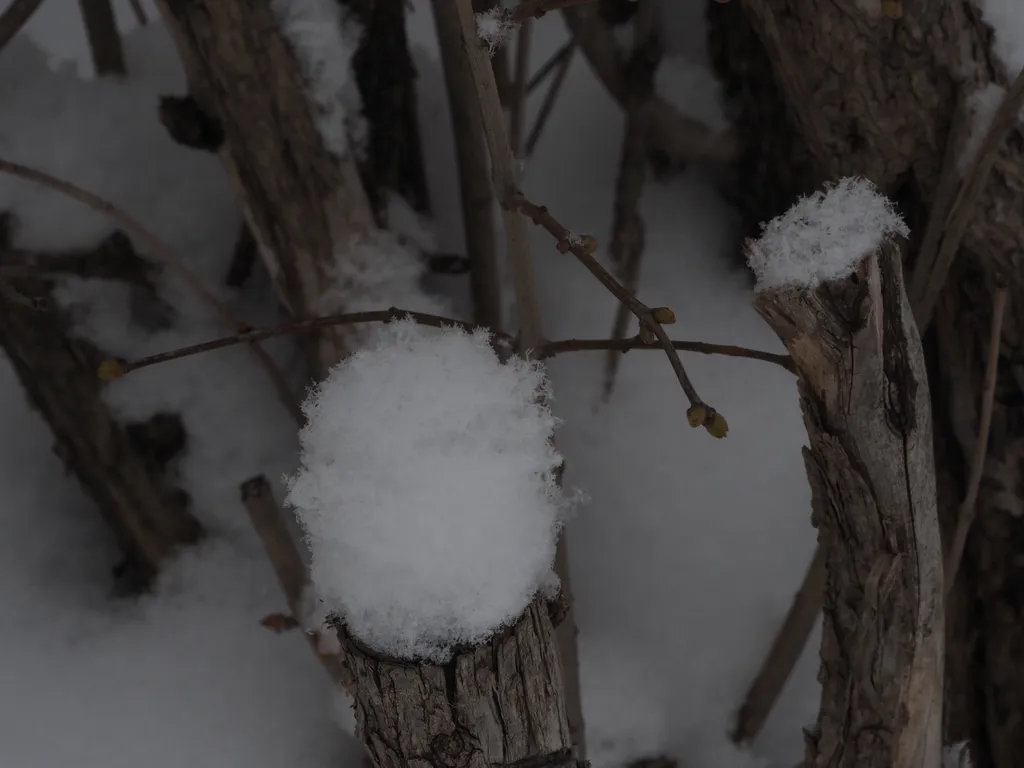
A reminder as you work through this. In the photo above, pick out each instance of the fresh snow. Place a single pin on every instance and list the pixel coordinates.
(823, 236)
(982, 106)
(1006, 17)
(427, 489)
(684, 561)
(325, 42)
(494, 27)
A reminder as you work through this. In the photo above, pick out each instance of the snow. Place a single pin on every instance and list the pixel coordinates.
(325, 43)
(684, 561)
(427, 490)
(494, 27)
(1006, 17)
(982, 106)
(823, 236)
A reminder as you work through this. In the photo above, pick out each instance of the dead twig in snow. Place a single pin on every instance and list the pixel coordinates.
(785, 652)
(167, 255)
(550, 349)
(965, 516)
(627, 242)
(668, 130)
(268, 522)
(15, 17)
(651, 319)
(104, 37)
(549, 66)
(550, 97)
(475, 190)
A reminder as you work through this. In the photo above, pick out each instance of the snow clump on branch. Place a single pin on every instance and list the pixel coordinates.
(427, 490)
(824, 236)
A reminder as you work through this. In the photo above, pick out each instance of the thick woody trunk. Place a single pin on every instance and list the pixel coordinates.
(119, 465)
(305, 204)
(864, 395)
(500, 704)
(826, 88)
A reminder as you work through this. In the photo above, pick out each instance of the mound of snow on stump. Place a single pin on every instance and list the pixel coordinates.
(427, 490)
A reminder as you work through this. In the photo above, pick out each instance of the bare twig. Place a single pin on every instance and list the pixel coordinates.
(504, 178)
(627, 243)
(267, 520)
(569, 242)
(963, 208)
(550, 97)
(474, 168)
(548, 66)
(668, 130)
(550, 349)
(104, 38)
(965, 517)
(166, 254)
(140, 14)
(784, 654)
(15, 17)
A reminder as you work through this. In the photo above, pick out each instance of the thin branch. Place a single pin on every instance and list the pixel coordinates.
(15, 17)
(550, 97)
(475, 190)
(548, 66)
(966, 202)
(968, 507)
(504, 178)
(553, 348)
(166, 254)
(789, 644)
(668, 131)
(268, 521)
(255, 335)
(548, 350)
(627, 242)
(517, 99)
(104, 37)
(569, 242)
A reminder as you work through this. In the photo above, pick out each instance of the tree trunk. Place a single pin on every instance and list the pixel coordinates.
(828, 88)
(304, 201)
(499, 704)
(120, 468)
(864, 395)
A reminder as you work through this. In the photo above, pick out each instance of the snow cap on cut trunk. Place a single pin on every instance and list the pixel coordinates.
(824, 236)
(427, 490)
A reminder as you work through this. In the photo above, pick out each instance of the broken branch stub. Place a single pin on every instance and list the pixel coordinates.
(864, 396)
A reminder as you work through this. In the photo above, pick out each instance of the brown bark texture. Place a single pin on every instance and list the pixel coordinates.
(864, 396)
(820, 89)
(500, 704)
(119, 465)
(304, 205)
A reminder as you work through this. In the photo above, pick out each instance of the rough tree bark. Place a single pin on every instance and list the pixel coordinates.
(864, 396)
(828, 88)
(120, 466)
(504, 702)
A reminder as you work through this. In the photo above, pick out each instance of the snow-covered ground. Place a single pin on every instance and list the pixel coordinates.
(684, 560)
